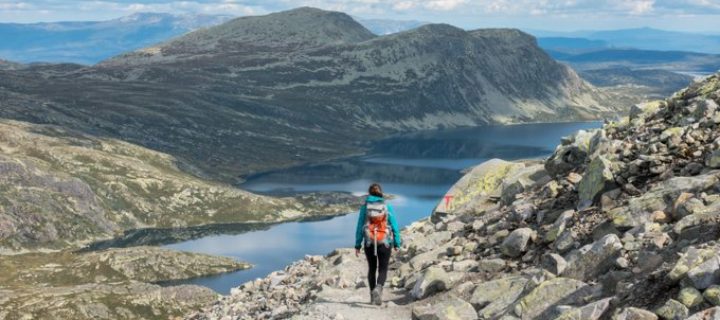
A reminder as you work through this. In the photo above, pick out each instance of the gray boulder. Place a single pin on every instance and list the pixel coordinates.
(540, 303)
(698, 226)
(692, 258)
(632, 313)
(446, 309)
(571, 154)
(705, 274)
(593, 259)
(673, 310)
(707, 314)
(591, 311)
(492, 298)
(559, 226)
(522, 180)
(517, 242)
(433, 280)
(554, 263)
(492, 265)
(472, 192)
(597, 179)
(712, 294)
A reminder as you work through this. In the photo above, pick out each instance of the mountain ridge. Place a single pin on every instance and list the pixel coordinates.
(315, 97)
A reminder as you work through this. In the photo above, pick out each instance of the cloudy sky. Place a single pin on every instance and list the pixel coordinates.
(691, 15)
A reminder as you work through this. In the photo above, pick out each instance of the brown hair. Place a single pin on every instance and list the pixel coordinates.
(375, 190)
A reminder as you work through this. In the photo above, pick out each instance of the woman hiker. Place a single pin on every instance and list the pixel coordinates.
(378, 233)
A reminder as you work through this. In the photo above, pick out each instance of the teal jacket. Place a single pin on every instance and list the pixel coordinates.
(359, 234)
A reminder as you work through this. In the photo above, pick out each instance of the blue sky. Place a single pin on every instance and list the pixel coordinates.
(689, 15)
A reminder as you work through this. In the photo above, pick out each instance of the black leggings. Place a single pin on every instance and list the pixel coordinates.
(383, 257)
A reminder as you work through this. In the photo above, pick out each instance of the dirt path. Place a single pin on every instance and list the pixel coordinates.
(354, 303)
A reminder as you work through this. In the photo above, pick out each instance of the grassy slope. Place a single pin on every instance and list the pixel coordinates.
(60, 187)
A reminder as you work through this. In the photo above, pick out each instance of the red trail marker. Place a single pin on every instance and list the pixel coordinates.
(448, 198)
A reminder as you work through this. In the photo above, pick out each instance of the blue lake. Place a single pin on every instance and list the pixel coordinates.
(417, 169)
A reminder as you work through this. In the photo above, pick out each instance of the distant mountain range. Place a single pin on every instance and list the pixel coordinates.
(655, 83)
(88, 42)
(639, 38)
(677, 61)
(264, 92)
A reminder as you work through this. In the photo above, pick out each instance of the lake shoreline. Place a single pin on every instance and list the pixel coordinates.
(304, 180)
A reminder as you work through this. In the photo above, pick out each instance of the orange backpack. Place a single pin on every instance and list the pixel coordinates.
(376, 224)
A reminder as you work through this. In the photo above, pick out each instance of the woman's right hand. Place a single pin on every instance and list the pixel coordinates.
(357, 252)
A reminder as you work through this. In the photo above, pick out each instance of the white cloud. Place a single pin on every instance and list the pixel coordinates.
(589, 11)
(403, 5)
(641, 7)
(444, 5)
(14, 5)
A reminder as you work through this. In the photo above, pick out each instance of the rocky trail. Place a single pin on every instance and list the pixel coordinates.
(621, 222)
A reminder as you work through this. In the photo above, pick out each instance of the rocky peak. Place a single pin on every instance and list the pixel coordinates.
(436, 29)
(284, 31)
(505, 36)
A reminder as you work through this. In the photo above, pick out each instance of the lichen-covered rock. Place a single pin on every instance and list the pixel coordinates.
(565, 241)
(642, 111)
(540, 302)
(559, 225)
(705, 274)
(521, 180)
(571, 155)
(712, 294)
(471, 192)
(593, 259)
(632, 313)
(492, 265)
(591, 311)
(517, 242)
(433, 280)
(695, 226)
(692, 258)
(465, 265)
(554, 263)
(690, 297)
(492, 298)
(522, 210)
(713, 159)
(672, 310)
(448, 309)
(597, 179)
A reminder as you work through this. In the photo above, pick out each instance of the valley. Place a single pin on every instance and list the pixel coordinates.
(203, 135)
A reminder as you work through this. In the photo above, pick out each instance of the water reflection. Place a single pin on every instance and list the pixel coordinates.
(417, 169)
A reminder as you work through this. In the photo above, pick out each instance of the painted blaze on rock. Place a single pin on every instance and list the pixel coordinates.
(597, 179)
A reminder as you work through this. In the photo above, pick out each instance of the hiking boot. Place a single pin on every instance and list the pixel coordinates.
(375, 296)
(378, 298)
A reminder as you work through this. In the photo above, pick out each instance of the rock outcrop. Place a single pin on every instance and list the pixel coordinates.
(622, 223)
